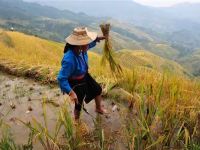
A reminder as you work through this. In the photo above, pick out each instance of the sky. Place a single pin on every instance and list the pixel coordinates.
(156, 3)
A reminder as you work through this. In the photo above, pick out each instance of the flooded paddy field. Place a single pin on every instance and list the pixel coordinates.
(21, 100)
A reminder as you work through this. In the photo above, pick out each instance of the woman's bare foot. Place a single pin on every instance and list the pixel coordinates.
(101, 111)
(99, 108)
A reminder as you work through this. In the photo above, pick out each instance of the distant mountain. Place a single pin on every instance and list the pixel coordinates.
(170, 24)
(169, 18)
(126, 10)
(44, 21)
(101, 8)
(18, 8)
(54, 24)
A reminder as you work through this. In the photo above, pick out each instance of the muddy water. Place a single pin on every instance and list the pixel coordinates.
(22, 99)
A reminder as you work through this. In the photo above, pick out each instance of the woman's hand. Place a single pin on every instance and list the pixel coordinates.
(73, 96)
(99, 38)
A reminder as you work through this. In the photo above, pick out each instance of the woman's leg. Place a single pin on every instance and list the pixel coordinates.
(98, 100)
(94, 91)
(78, 88)
(77, 111)
(99, 108)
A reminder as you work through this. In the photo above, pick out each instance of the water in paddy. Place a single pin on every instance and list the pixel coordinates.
(21, 99)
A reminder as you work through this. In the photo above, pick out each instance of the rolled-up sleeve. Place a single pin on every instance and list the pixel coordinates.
(65, 72)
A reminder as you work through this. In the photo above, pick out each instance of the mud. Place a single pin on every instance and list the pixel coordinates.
(21, 99)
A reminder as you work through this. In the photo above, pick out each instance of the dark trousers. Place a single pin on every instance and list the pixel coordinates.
(86, 90)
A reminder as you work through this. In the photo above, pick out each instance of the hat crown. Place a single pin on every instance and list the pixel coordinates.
(80, 31)
(81, 36)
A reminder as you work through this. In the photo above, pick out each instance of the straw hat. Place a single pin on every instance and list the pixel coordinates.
(81, 36)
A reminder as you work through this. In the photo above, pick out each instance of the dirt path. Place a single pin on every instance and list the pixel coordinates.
(22, 98)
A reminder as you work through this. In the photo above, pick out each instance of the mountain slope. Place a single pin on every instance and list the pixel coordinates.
(167, 22)
(40, 52)
(131, 59)
(192, 62)
(34, 51)
(47, 22)
(53, 24)
(18, 8)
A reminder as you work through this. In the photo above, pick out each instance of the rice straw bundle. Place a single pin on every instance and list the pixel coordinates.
(108, 54)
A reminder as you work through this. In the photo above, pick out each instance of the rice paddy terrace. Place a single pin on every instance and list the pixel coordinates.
(154, 105)
(22, 100)
(24, 52)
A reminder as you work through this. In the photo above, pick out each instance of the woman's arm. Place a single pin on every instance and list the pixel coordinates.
(98, 39)
(65, 72)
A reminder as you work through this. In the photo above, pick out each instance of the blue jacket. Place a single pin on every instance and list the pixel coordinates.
(73, 65)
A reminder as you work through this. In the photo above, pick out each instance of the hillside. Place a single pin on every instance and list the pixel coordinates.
(152, 105)
(192, 62)
(158, 102)
(43, 21)
(21, 48)
(178, 25)
(131, 59)
(35, 51)
(54, 24)
(32, 53)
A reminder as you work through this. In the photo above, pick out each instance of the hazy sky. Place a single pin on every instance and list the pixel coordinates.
(145, 2)
(164, 2)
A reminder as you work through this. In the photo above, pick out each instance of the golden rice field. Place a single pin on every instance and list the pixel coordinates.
(131, 59)
(165, 102)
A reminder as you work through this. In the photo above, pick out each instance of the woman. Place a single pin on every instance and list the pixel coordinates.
(73, 77)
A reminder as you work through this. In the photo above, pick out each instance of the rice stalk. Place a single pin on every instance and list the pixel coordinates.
(159, 140)
(7, 142)
(108, 53)
(131, 135)
(71, 136)
(41, 132)
(67, 122)
(187, 137)
(102, 139)
(99, 133)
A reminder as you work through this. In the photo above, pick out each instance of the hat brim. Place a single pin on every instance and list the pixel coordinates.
(81, 40)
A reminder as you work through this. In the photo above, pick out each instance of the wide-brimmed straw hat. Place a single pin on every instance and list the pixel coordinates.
(81, 36)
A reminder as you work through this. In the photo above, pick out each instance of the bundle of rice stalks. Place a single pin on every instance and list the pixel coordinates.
(108, 54)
